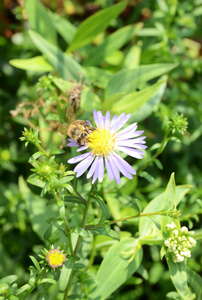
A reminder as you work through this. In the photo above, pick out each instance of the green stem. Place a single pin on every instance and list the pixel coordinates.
(42, 150)
(78, 241)
(65, 222)
(158, 152)
(34, 284)
(128, 218)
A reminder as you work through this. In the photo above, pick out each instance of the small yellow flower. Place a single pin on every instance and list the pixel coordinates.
(55, 258)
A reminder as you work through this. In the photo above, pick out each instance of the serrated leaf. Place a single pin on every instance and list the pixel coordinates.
(66, 66)
(95, 24)
(38, 64)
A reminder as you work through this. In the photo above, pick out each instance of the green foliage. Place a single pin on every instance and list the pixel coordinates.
(142, 58)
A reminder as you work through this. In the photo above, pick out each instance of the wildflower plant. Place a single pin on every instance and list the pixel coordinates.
(95, 206)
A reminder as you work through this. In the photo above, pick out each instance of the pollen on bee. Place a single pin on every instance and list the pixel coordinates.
(101, 141)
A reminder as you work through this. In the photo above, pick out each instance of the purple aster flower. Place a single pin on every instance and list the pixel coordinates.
(103, 143)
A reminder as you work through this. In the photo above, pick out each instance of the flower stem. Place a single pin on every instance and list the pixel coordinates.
(78, 241)
(42, 150)
(158, 152)
(65, 222)
(158, 213)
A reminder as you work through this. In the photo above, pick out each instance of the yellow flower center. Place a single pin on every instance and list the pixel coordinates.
(101, 141)
(55, 258)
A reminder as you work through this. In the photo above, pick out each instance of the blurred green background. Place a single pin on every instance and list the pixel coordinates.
(171, 33)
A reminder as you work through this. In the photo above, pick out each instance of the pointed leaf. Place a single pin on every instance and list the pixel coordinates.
(116, 268)
(37, 63)
(66, 66)
(113, 42)
(40, 20)
(95, 24)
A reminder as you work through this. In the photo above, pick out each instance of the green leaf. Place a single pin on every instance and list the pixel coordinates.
(113, 42)
(169, 200)
(35, 181)
(23, 288)
(35, 262)
(104, 207)
(94, 25)
(35, 156)
(40, 20)
(116, 268)
(147, 108)
(129, 80)
(8, 279)
(135, 100)
(37, 63)
(106, 230)
(154, 220)
(195, 281)
(66, 29)
(65, 273)
(89, 100)
(146, 226)
(80, 231)
(99, 77)
(178, 275)
(56, 152)
(48, 280)
(66, 66)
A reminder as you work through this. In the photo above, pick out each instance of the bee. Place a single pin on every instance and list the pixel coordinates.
(77, 130)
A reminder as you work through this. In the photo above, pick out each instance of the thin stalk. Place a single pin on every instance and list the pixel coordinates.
(128, 218)
(65, 222)
(78, 241)
(158, 152)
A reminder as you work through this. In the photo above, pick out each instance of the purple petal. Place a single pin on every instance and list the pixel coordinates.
(92, 168)
(72, 143)
(109, 170)
(121, 168)
(82, 148)
(107, 120)
(130, 151)
(83, 165)
(130, 143)
(101, 169)
(100, 118)
(130, 135)
(76, 159)
(114, 170)
(132, 128)
(113, 120)
(95, 115)
(120, 123)
(95, 176)
(125, 164)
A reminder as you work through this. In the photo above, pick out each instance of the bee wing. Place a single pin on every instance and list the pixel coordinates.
(70, 114)
(63, 128)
